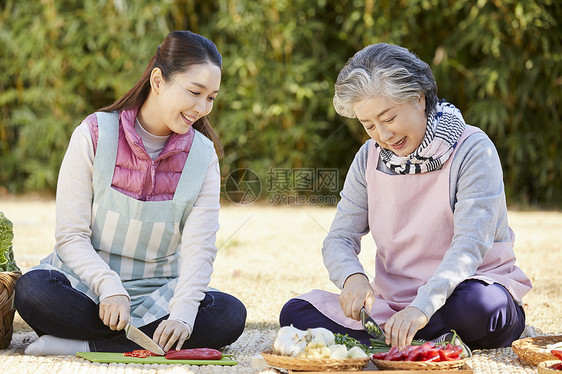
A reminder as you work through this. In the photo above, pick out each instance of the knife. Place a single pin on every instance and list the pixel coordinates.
(371, 326)
(134, 334)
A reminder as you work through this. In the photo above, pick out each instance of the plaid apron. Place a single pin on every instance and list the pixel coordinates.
(139, 240)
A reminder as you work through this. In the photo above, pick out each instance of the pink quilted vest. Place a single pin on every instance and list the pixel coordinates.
(136, 175)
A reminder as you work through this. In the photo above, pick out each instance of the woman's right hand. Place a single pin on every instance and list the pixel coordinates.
(356, 293)
(115, 311)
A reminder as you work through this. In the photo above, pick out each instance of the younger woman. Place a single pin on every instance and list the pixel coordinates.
(137, 215)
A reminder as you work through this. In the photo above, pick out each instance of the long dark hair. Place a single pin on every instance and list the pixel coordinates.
(178, 51)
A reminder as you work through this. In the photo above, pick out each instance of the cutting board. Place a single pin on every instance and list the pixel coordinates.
(109, 357)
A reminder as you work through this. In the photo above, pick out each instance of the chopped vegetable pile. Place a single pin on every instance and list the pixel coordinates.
(371, 327)
(313, 343)
(140, 353)
(427, 352)
(183, 354)
(7, 261)
(377, 346)
(322, 343)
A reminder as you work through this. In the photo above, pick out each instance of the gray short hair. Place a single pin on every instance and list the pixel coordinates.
(384, 70)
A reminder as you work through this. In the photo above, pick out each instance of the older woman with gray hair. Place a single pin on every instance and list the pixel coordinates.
(430, 190)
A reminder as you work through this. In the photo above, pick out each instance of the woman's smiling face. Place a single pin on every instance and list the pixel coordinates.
(184, 99)
(399, 128)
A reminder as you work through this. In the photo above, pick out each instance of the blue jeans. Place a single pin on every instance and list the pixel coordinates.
(484, 315)
(50, 305)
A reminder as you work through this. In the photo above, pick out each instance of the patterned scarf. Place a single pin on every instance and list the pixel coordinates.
(443, 130)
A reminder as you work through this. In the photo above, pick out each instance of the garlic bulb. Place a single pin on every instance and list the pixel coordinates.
(312, 343)
(290, 330)
(319, 340)
(327, 335)
(290, 341)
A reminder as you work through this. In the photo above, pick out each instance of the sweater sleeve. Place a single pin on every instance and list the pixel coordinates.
(74, 215)
(343, 243)
(479, 220)
(198, 250)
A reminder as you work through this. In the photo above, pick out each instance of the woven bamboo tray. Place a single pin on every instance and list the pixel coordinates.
(543, 367)
(419, 365)
(8, 281)
(314, 364)
(531, 350)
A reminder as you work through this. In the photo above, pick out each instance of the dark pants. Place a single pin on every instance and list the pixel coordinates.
(48, 303)
(483, 315)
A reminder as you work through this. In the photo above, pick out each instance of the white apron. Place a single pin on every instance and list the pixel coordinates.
(411, 221)
(139, 240)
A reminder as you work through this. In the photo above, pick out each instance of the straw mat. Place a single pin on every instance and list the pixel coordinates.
(251, 343)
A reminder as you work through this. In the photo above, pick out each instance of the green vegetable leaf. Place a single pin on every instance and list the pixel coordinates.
(7, 261)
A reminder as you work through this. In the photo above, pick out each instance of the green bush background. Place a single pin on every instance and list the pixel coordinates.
(499, 61)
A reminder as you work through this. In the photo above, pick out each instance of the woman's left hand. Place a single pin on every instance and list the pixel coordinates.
(402, 326)
(170, 331)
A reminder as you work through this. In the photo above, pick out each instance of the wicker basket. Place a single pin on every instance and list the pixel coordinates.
(419, 365)
(315, 364)
(544, 367)
(532, 350)
(7, 283)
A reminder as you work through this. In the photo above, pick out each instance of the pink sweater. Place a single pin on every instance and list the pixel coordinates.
(136, 175)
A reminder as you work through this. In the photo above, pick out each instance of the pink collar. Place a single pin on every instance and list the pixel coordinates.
(176, 142)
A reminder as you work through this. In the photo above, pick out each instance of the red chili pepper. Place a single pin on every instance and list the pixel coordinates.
(408, 349)
(557, 353)
(447, 356)
(432, 359)
(140, 353)
(431, 355)
(395, 354)
(451, 352)
(427, 351)
(415, 354)
(194, 354)
(380, 355)
(556, 366)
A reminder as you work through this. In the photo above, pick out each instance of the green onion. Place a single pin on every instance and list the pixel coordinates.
(376, 346)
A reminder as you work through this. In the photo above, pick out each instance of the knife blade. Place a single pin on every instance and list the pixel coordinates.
(134, 334)
(371, 326)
